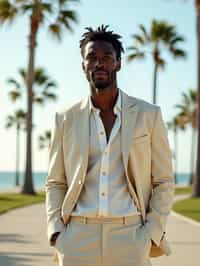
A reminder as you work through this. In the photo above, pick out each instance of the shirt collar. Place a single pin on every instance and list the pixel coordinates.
(116, 108)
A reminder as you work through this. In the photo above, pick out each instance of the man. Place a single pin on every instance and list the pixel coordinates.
(110, 185)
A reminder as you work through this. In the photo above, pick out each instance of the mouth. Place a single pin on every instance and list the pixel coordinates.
(100, 73)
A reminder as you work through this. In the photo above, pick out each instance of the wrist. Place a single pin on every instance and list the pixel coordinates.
(53, 238)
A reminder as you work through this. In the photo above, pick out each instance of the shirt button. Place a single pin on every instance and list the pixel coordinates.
(79, 182)
(104, 173)
(101, 132)
(103, 194)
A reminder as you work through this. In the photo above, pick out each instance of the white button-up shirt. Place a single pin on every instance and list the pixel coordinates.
(105, 192)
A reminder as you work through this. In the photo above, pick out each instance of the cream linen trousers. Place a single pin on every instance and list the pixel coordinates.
(103, 243)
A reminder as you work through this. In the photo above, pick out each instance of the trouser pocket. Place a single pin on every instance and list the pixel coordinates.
(142, 242)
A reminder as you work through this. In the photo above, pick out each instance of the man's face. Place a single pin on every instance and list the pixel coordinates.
(100, 64)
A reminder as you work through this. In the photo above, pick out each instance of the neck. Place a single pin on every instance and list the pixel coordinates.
(106, 99)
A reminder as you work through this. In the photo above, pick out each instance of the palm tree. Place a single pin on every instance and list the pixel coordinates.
(18, 120)
(44, 86)
(189, 109)
(196, 185)
(178, 122)
(44, 140)
(39, 12)
(161, 37)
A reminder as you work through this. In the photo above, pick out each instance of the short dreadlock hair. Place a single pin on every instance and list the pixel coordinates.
(101, 34)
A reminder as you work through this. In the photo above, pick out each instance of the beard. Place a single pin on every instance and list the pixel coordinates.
(102, 83)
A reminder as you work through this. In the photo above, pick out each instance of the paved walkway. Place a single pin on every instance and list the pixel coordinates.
(23, 240)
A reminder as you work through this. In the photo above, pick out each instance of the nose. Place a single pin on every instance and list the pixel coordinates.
(99, 63)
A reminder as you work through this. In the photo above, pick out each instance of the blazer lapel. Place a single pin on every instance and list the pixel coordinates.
(82, 134)
(129, 116)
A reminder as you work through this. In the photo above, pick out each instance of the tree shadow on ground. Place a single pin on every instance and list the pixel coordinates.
(21, 258)
(14, 238)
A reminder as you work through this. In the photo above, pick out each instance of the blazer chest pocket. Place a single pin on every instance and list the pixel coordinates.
(141, 138)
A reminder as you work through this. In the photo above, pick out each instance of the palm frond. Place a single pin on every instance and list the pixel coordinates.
(47, 7)
(66, 17)
(50, 84)
(49, 95)
(63, 3)
(176, 39)
(146, 36)
(132, 48)
(23, 74)
(139, 55)
(40, 77)
(188, 107)
(26, 7)
(48, 134)
(10, 121)
(14, 83)
(44, 140)
(38, 100)
(55, 30)
(161, 63)
(17, 118)
(178, 53)
(8, 11)
(14, 95)
(139, 40)
(180, 106)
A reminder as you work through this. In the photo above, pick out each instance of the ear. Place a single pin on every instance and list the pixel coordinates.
(118, 66)
(83, 66)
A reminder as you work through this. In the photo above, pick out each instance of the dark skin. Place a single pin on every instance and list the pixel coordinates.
(100, 65)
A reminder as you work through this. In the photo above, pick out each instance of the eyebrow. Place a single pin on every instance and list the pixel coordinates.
(92, 53)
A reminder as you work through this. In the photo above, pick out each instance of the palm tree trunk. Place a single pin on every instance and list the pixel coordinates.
(17, 156)
(28, 180)
(196, 186)
(155, 83)
(176, 155)
(192, 156)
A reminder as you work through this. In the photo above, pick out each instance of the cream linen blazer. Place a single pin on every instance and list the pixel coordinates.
(147, 160)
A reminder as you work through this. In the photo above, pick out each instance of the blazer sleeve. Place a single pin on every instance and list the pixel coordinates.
(56, 184)
(162, 181)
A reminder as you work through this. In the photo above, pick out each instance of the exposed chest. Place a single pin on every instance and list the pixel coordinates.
(108, 119)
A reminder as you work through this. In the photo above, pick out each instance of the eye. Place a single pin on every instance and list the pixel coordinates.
(108, 57)
(91, 57)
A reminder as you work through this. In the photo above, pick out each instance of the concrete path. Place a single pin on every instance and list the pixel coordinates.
(184, 239)
(23, 240)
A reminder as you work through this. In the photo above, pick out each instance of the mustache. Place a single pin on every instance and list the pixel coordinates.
(100, 70)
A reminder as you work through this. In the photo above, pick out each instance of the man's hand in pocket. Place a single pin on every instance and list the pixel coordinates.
(53, 238)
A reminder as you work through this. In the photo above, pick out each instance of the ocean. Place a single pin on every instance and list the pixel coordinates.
(7, 179)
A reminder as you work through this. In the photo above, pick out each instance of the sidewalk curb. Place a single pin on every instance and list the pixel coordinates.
(185, 219)
(180, 216)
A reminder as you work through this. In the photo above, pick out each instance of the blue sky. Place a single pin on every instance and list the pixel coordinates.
(63, 62)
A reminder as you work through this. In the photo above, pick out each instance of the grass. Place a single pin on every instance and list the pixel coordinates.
(189, 208)
(183, 190)
(10, 201)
